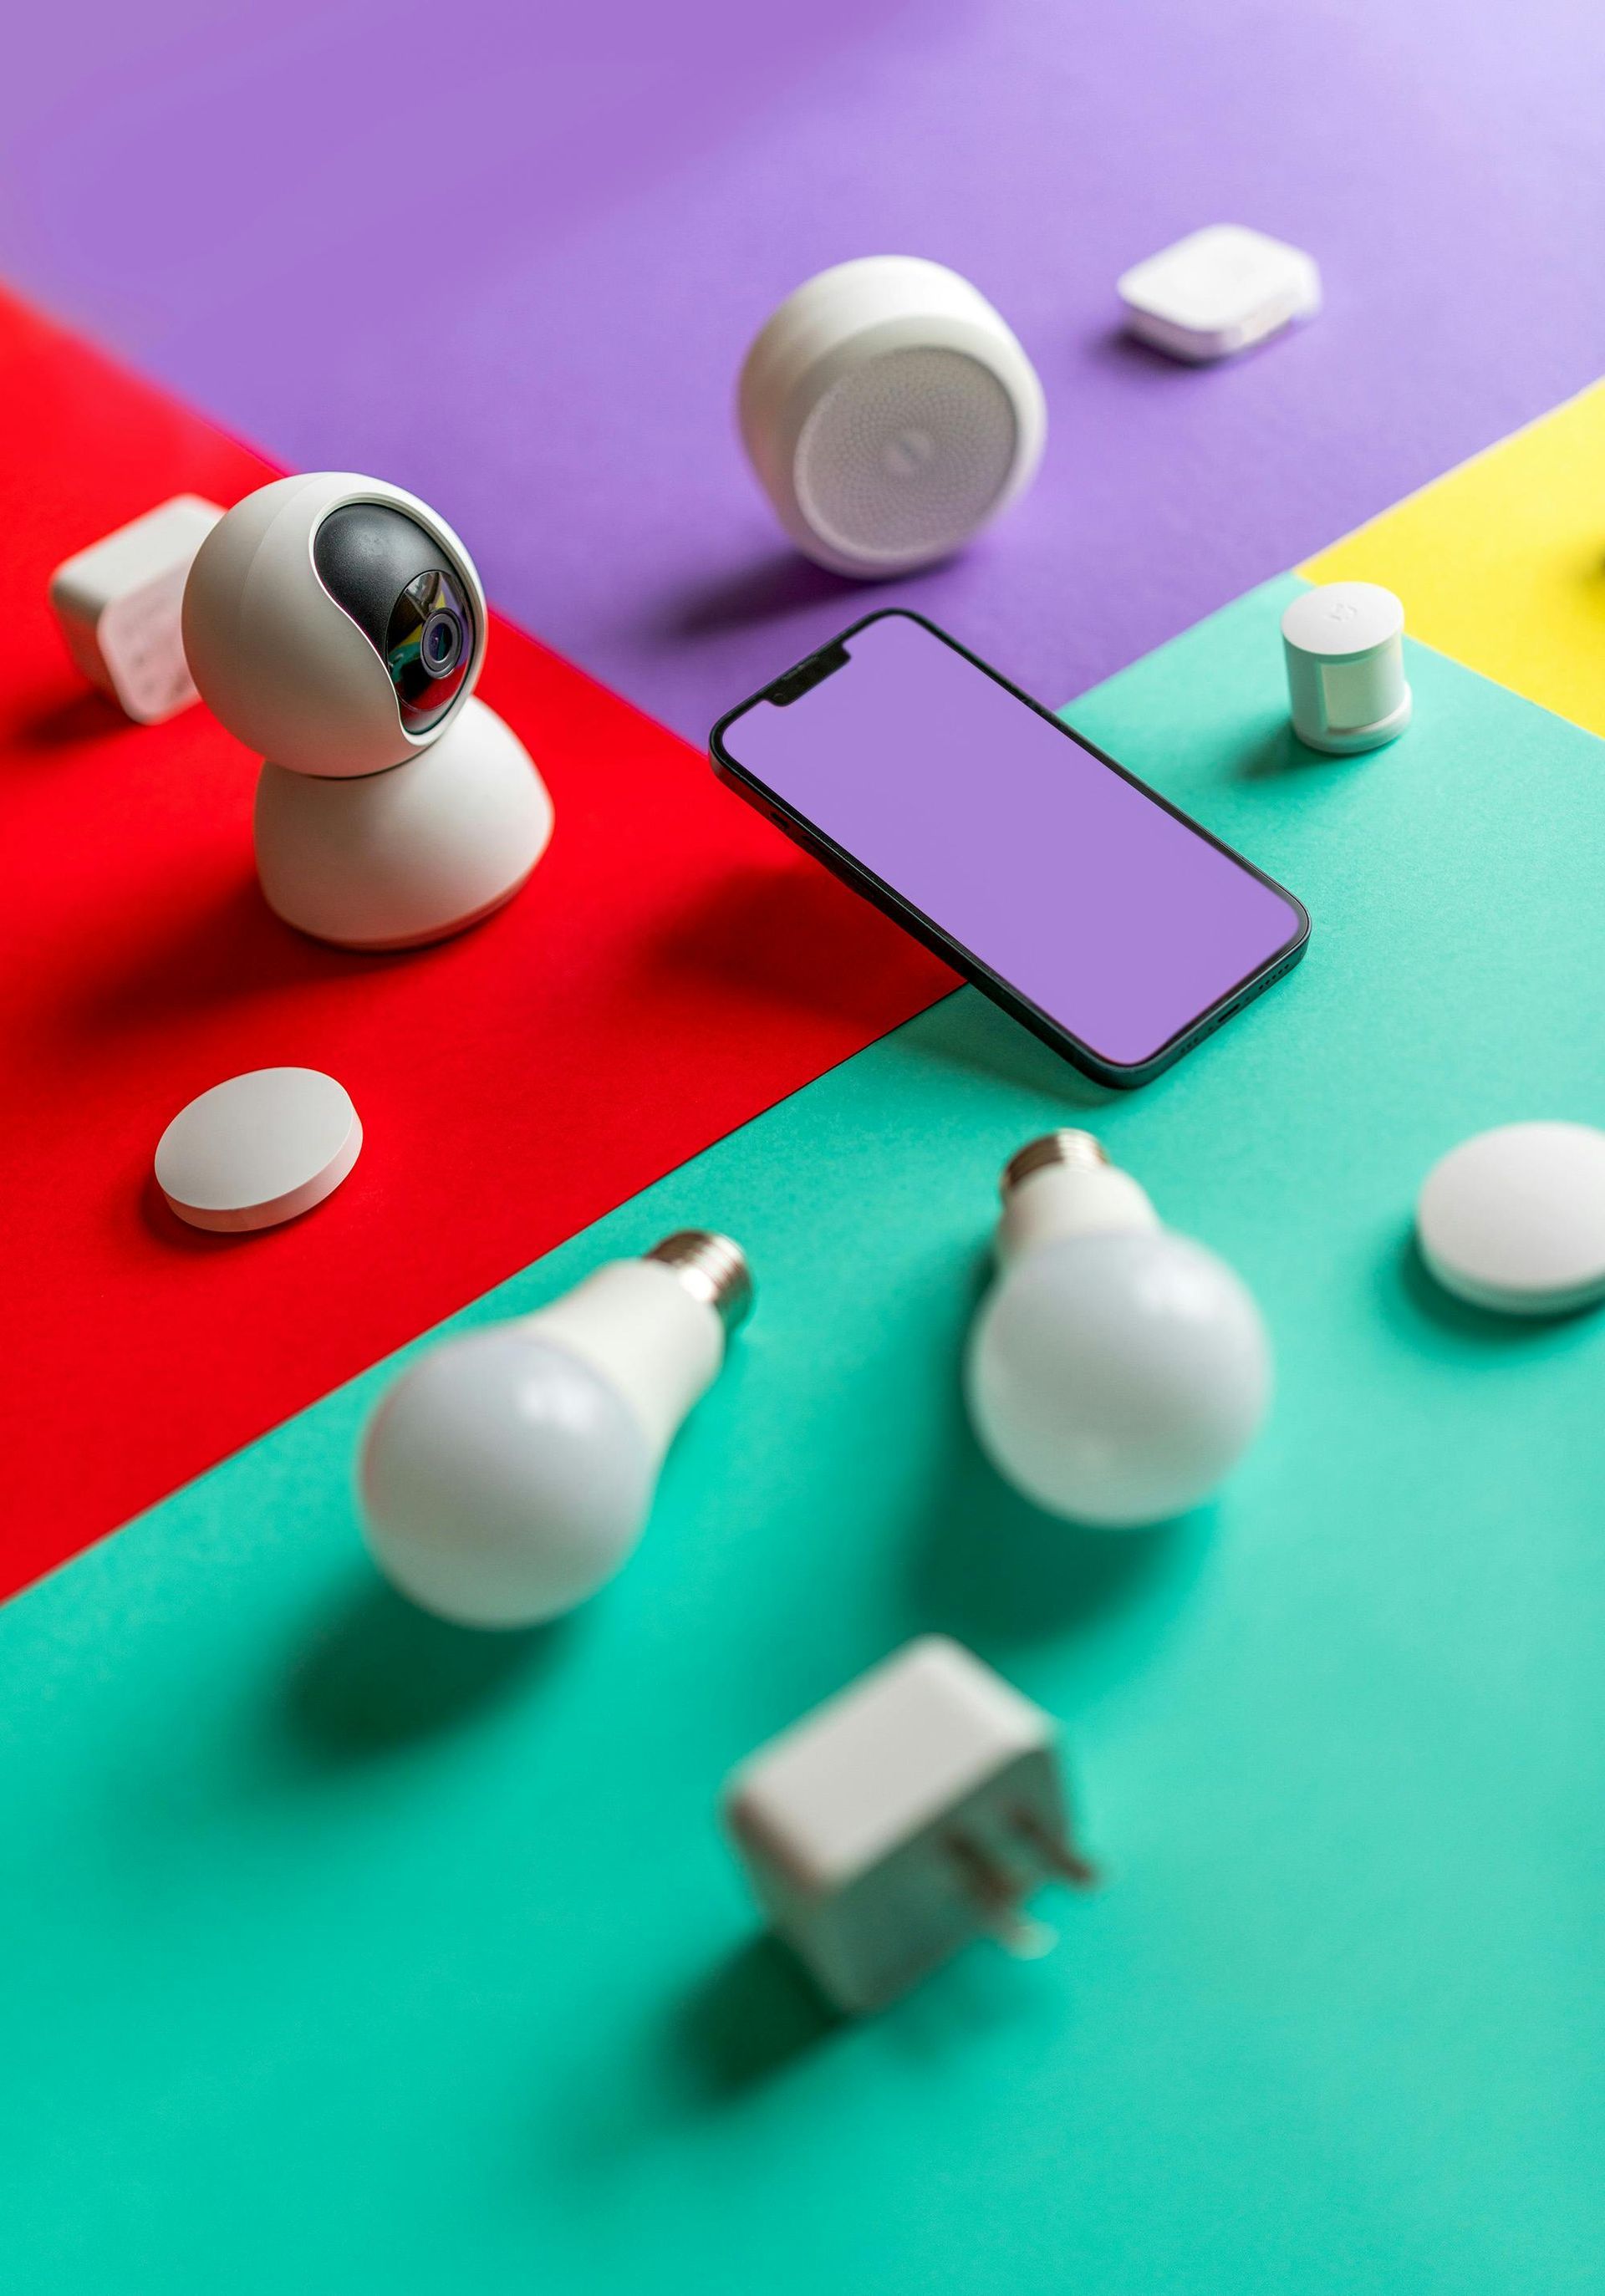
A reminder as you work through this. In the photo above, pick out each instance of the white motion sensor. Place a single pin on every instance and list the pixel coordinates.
(1116, 1372)
(1344, 646)
(337, 626)
(508, 1474)
(890, 415)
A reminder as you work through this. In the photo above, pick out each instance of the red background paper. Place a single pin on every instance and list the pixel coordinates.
(672, 969)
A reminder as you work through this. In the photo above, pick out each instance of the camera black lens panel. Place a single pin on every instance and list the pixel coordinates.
(385, 570)
(427, 647)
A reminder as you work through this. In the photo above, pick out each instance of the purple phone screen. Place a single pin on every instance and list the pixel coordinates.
(1118, 921)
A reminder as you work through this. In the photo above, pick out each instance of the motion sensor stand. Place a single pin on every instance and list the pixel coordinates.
(889, 414)
(337, 627)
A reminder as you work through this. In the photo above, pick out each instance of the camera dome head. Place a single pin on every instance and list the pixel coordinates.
(334, 623)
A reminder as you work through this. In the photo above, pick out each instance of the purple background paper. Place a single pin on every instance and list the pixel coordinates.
(1104, 911)
(511, 254)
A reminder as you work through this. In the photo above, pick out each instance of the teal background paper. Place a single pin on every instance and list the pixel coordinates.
(343, 1951)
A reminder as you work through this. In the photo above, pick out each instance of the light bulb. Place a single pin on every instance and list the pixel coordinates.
(1116, 1372)
(508, 1474)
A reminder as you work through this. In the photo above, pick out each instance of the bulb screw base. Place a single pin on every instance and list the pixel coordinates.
(1080, 1150)
(712, 1268)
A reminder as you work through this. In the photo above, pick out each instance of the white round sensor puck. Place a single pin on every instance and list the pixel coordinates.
(1514, 1219)
(259, 1149)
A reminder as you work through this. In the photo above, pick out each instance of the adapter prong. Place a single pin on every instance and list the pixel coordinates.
(1056, 1851)
(995, 1895)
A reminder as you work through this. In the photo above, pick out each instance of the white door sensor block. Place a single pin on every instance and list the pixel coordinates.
(1218, 290)
(890, 414)
(259, 1150)
(1514, 1219)
(118, 604)
(1344, 646)
(917, 1809)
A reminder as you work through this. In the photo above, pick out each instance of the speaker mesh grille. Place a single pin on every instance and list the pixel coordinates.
(905, 456)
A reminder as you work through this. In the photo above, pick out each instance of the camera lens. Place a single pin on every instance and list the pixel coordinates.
(441, 643)
(429, 646)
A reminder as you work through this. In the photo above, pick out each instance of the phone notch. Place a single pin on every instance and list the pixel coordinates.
(795, 683)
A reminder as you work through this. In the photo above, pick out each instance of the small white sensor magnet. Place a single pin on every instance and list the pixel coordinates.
(1514, 1219)
(1344, 646)
(260, 1149)
(919, 1807)
(118, 604)
(1218, 290)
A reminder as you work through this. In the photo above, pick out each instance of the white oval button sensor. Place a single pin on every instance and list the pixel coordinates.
(259, 1149)
(1514, 1219)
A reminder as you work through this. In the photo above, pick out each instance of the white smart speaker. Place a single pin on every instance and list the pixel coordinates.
(337, 626)
(890, 415)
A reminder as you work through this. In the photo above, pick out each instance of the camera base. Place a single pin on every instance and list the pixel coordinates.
(400, 858)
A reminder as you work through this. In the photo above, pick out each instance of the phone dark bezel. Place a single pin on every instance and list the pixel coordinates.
(1117, 1076)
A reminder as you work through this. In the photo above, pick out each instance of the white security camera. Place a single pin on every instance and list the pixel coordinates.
(337, 626)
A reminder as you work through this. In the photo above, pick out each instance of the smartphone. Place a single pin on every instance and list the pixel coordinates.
(1073, 895)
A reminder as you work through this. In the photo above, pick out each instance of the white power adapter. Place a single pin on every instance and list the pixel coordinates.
(119, 603)
(917, 1809)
